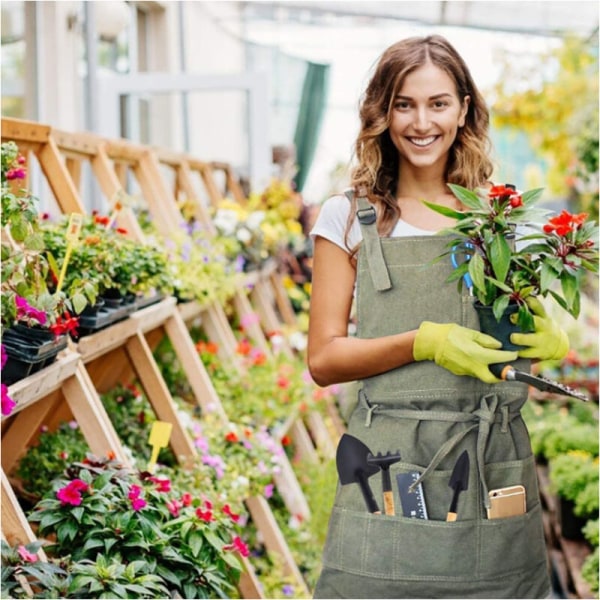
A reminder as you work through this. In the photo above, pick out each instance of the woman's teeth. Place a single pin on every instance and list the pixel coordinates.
(423, 141)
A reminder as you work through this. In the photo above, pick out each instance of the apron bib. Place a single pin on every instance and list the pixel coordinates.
(431, 416)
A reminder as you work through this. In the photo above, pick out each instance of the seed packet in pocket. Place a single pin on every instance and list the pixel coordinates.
(413, 503)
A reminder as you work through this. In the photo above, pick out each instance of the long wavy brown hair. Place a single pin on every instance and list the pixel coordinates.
(377, 161)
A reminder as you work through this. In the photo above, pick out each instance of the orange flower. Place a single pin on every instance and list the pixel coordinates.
(244, 347)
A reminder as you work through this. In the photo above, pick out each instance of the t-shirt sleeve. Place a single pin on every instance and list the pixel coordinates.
(331, 223)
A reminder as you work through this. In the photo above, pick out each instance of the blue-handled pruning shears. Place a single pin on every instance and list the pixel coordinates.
(464, 250)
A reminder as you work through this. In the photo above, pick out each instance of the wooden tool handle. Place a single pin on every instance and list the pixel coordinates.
(388, 503)
(451, 516)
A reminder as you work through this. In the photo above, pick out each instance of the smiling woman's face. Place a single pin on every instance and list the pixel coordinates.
(426, 115)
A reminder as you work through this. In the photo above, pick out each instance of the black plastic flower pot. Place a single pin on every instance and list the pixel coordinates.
(502, 329)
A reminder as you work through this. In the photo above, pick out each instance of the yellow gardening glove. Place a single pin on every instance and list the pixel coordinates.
(461, 350)
(547, 342)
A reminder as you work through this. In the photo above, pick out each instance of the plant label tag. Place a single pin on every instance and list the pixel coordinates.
(74, 227)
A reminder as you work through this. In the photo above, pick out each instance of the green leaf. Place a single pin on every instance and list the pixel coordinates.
(500, 305)
(477, 271)
(196, 540)
(547, 277)
(468, 197)
(500, 257)
(444, 210)
(530, 197)
(569, 285)
(525, 318)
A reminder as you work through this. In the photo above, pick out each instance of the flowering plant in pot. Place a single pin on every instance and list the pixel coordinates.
(511, 257)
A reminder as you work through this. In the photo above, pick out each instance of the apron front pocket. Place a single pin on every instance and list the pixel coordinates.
(395, 547)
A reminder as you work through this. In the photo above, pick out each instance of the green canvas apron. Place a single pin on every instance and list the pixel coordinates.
(431, 416)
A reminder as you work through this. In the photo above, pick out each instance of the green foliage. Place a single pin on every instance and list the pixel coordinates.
(574, 476)
(48, 459)
(132, 417)
(509, 258)
(104, 518)
(589, 570)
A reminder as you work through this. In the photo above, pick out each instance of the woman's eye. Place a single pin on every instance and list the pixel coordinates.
(440, 104)
(401, 105)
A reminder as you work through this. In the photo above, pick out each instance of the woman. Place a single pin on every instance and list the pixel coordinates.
(426, 391)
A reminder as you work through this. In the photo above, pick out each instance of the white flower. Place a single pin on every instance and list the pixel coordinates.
(243, 235)
(298, 341)
(254, 219)
(226, 221)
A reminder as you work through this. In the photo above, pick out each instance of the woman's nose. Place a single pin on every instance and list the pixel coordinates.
(421, 119)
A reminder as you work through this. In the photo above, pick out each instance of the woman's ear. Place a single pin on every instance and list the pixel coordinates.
(463, 111)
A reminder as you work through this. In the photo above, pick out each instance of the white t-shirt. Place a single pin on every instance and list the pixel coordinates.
(332, 219)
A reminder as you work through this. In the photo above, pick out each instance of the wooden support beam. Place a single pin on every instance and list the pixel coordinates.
(158, 394)
(263, 518)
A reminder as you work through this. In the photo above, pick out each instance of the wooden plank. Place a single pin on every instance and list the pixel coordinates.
(40, 384)
(302, 441)
(290, 489)
(90, 414)
(20, 130)
(282, 299)
(246, 313)
(15, 527)
(23, 427)
(159, 397)
(197, 376)
(320, 434)
(263, 518)
(155, 315)
(97, 344)
(249, 586)
(74, 169)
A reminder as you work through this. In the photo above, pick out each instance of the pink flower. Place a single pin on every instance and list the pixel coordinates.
(15, 173)
(25, 311)
(162, 485)
(26, 555)
(268, 491)
(138, 503)
(8, 404)
(71, 493)
(134, 492)
(174, 506)
(238, 545)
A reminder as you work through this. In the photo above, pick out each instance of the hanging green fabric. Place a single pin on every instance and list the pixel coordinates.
(310, 116)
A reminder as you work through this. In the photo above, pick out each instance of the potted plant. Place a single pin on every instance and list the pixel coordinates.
(511, 258)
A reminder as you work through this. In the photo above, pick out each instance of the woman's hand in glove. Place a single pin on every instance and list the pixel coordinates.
(461, 350)
(547, 342)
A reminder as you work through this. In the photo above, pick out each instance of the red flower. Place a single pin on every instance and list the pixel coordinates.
(186, 498)
(227, 510)
(243, 347)
(286, 440)
(162, 485)
(499, 191)
(232, 437)
(238, 545)
(101, 220)
(283, 382)
(205, 515)
(565, 223)
(516, 201)
(65, 324)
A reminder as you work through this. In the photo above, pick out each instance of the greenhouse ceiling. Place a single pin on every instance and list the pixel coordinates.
(539, 17)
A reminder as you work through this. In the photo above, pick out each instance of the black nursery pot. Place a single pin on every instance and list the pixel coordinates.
(500, 330)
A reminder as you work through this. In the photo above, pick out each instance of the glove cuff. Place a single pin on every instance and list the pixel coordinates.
(427, 340)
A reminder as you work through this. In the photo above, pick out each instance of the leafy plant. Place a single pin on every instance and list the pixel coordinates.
(504, 267)
(48, 459)
(189, 542)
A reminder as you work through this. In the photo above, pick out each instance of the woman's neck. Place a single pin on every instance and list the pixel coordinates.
(421, 183)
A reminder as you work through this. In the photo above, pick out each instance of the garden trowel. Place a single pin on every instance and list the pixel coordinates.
(459, 482)
(353, 467)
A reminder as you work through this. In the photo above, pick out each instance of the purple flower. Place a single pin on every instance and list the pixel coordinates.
(287, 590)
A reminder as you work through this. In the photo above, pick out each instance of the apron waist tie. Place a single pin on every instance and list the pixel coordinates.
(484, 416)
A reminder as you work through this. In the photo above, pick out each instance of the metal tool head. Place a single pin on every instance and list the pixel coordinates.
(351, 459)
(459, 480)
(383, 461)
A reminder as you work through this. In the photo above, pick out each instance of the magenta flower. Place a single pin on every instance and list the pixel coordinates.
(138, 503)
(233, 516)
(8, 404)
(173, 507)
(162, 485)
(238, 545)
(26, 555)
(186, 498)
(71, 493)
(26, 311)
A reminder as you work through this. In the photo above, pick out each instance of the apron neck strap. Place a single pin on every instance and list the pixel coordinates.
(367, 217)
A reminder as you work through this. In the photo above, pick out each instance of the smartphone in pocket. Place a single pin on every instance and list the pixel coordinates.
(507, 502)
